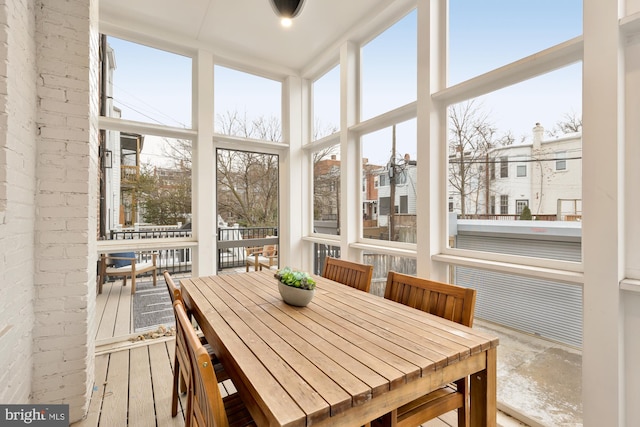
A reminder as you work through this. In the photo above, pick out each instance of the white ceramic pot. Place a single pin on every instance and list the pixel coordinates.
(295, 296)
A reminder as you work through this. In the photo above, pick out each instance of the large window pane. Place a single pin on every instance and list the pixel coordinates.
(389, 183)
(148, 85)
(147, 186)
(389, 69)
(326, 104)
(382, 264)
(494, 174)
(247, 105)
(326, 190)
(489, 34)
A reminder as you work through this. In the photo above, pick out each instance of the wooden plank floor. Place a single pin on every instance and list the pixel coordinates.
(113, 313)
(133, 388)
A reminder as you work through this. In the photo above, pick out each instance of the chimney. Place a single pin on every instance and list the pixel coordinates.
(538, 133)
(333, 157)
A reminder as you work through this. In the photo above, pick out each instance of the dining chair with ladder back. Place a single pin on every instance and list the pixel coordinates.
(205, 405)
(182, 367)
(450, 302)
(349, 273)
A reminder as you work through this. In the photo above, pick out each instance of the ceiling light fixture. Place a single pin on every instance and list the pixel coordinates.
(287, 9)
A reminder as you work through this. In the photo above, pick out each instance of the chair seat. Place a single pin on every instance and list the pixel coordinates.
(439, 401)
(261, 260)
(237, 412)
(140, 268)
(221, 374)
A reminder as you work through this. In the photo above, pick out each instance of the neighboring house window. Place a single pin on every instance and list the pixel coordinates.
(561, 160)
(492, 170)
(521, 171)
(404, 204)
(383, 181)
(492, 205)
(504, 205)
(520, 204)
(375, 182)
(384, 205)
(504, 167)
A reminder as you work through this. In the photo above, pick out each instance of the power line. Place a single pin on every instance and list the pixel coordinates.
(498, 161)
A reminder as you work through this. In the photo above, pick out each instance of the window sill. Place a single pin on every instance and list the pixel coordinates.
(631, 285)
(571, 277)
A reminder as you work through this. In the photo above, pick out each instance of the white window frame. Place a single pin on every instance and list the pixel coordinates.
(545, 61)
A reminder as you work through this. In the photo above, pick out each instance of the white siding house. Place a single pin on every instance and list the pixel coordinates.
(544, 175)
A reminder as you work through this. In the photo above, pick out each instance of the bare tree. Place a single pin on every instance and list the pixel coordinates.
(247, 182)
(471, 136)
(570, 123)
(236, 124)
(248, 187)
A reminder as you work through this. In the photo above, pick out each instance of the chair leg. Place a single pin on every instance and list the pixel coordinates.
(390, 419)
(463, 413)
(103, 269)
(183, 385)
(174, 393)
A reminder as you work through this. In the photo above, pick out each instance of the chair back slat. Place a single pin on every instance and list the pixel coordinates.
(349, 273)
(174, 290)
(206, 405)
(448, 301)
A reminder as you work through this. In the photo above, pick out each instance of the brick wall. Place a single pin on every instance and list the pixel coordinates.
(65, 253)
(17, 189)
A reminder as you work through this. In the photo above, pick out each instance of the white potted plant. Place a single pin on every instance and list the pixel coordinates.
(296, 287)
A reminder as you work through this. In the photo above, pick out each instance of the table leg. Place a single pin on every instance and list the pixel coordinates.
(483, 393)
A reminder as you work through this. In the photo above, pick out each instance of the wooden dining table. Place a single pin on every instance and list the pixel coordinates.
(346, 359)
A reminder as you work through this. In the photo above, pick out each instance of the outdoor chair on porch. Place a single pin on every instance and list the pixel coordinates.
(205, 405)
(182, 369)
(126, 265)
(349, 273)
(450, 302)
(262, 256)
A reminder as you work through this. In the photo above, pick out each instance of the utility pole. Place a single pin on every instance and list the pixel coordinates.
(392, 185)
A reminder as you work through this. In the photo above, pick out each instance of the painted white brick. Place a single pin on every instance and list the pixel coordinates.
(57, 343)
(17, 150)
(64, 255)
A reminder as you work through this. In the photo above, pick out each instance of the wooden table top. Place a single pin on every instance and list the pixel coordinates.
(346, 358)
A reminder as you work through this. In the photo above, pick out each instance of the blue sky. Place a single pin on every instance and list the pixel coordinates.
(155, 86)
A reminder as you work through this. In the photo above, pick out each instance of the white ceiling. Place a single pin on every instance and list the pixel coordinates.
(248, 31)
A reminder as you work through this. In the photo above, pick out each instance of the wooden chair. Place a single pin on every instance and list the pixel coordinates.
(126, 265)
(447, 301)
(349, 273)
(205, 405)
(181, 369)
(262, 256)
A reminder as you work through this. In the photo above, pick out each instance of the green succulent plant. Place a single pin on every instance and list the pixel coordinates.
(295, 278)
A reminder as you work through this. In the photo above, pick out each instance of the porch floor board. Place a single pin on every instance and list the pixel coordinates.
(133, 388)
(113, 311)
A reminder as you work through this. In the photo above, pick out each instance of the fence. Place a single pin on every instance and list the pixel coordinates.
(233, 241)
